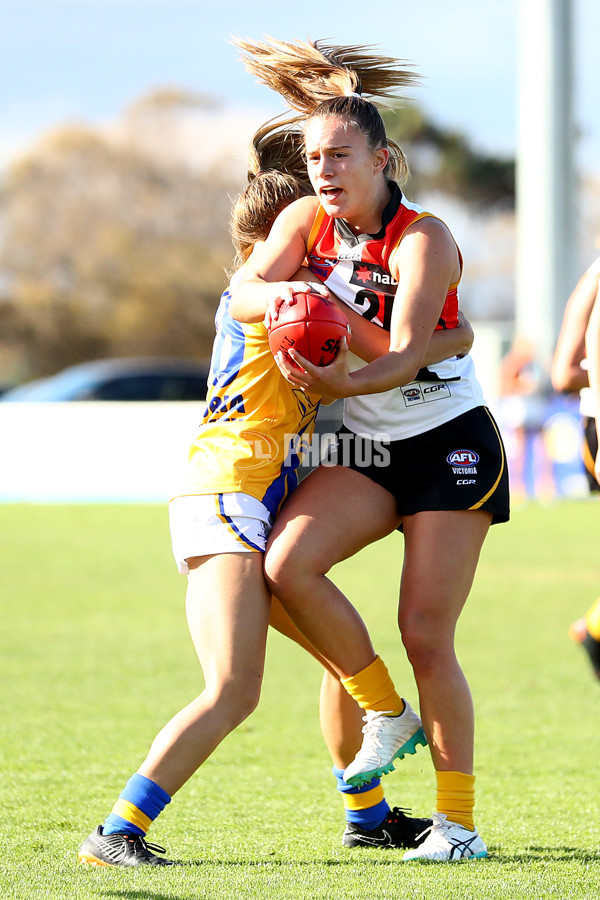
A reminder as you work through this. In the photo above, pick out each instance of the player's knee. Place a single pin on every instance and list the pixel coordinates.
(281, 570)
(424, 646)
(238, 698)
(244, 708)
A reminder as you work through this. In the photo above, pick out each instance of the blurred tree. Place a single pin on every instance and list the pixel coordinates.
(116, 243)
(172, 99)
(444, 161)
(107, 251)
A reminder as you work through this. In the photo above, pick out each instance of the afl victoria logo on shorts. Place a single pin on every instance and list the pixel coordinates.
(463, 462)
(462, 458)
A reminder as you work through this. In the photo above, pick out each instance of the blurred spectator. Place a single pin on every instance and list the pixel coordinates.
(524, 391)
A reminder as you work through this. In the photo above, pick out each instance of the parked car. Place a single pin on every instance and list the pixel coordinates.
(143, 378)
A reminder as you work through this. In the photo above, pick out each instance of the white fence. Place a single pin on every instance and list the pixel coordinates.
(94, 452)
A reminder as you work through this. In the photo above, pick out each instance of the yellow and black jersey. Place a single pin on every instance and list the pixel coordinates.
(246, 441)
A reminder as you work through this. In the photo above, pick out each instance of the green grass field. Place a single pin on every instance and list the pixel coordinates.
(96, 657)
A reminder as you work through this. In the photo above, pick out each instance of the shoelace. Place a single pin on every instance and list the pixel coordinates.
(425, 831)
(141, 847)
(373, 724)
(440, 823)
(398, 812)
(370, 729)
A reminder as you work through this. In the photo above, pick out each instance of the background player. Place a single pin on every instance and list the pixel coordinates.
(575, 367)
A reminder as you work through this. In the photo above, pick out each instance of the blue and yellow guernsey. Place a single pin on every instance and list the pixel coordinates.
(243, 443)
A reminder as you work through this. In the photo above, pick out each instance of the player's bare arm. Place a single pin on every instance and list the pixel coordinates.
(265, 283)
(449, 342)
(426, 263)
(567, 373)
(370, 341)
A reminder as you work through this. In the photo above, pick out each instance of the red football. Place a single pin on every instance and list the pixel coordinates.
(313, 326)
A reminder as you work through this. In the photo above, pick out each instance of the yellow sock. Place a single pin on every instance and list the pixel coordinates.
(372, 688)
(592, 620)
(456, 797)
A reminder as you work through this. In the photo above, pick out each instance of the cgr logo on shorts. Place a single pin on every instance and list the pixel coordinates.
(463, 462)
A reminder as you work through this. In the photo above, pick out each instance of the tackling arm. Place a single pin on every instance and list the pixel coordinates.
(265, 278)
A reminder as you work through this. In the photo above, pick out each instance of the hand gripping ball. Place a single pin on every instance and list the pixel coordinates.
(313, 326)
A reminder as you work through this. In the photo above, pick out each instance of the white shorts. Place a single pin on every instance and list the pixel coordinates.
(204, 524)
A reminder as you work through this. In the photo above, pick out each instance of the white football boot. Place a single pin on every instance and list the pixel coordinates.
(386, 738)
(448, 842)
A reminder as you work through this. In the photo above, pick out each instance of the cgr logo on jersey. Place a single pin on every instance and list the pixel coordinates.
(463, 462)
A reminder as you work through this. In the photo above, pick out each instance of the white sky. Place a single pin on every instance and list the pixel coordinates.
(86, 59)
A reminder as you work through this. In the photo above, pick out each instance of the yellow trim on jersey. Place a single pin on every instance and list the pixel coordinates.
(312, 235)
(131, 813)
(497, 481)
(425, 215)
(365, 800)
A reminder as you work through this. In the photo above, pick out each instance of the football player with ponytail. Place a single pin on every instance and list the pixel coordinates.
(446, 480)
(240, 473)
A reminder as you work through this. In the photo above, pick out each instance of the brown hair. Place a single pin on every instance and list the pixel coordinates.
(276, 177)
(320, 80)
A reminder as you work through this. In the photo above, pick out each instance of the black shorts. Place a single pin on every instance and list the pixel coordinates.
(458, 465)
(589, 451)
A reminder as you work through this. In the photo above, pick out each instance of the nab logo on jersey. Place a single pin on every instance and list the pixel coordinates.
(462, 458)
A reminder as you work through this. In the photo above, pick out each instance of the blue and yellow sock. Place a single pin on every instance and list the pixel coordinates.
(364, 806)
(139, 803)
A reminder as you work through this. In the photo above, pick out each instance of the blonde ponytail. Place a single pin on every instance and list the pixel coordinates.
(307, 73)
(318, 80)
